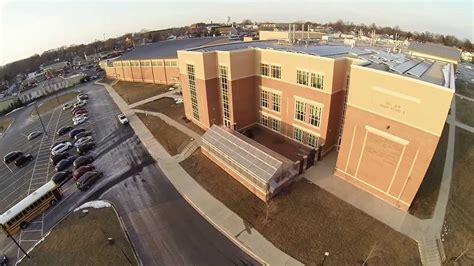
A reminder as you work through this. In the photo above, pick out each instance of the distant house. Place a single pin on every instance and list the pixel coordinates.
(227, 30)
(49, 86)
(467, 56)
(55, 66)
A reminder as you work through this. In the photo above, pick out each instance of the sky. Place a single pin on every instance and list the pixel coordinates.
(27, 28)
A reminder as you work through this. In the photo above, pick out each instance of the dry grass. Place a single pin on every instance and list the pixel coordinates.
(425, 200)
(171, 138)
(465, 88)
(5, 123)
(133, 92)
(175, 111)
(82, 240)
(460, 211)
(465, 111)
(306, 221)
(55, 101)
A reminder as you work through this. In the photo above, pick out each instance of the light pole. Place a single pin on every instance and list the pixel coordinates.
(14, 241)
(39, 116)
(326, 254)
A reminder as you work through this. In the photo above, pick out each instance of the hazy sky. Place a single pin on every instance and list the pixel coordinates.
(27, 28)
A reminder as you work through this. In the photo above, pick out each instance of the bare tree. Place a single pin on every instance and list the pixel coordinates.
(466, 250)
(374, 252)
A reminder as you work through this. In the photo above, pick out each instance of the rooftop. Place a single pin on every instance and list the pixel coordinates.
(437, 50)
(165, 49)
(376, 57)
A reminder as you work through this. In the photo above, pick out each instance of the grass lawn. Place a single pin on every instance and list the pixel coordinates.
(5, 123)
(425, 200)
(81, 239)
(54, 102)
(175, 111)
(171, 138)
(465, 111)
(133, 92)
(306, 221)
(465, 88)
(460, 210)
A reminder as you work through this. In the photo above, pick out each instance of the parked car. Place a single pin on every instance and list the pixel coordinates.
(75, 109)
(83, 134)
(62, 147)
(84, 148)
(80, 103)
(61, 177)
(23, 159)
(87, 179)
(67, 106)
(57, 143)
(64, 130)
(122, 119)
(34, 134)
(58, 157)
(3, 260)
(81, 170)
(82, 160)
(75, 131)
(81, 97)
(80, 120)
(12, 156)
(80, 112)
(83, 140)
(65, 163)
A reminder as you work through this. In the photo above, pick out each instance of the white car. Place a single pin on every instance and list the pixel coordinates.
(80, 103)
(83, 140)
(67, 106)
(76, 117)
(122, 119)
(79, 120)
(60, 148)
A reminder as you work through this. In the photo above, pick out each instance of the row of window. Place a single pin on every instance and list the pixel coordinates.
(265, 100)
(225, 94)
(309, 79)
(193, 91)
(30, 208)
(314, 115)
(146, 63)
(270, 71)
(299, 135)
(269, 122)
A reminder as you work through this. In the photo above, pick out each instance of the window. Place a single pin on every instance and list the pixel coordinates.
(317, 81)
(157, 63)
(118, 64)
(315, 115)
(312, 140)
(298, 134)
(276, 98)
(276, 72)
(126, 63)
(276, 125)
(193, 91)
(265, 69)
(302, 77)
(264, 98)
(145, 63)
(171, 63)
(225, 94)
(300, 110)
(264, 120)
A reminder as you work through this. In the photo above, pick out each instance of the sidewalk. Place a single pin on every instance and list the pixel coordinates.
(226, 221)
(156, 97)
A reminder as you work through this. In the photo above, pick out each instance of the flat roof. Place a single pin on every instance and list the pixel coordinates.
(435, 49)
(165, 49)
(376, 57)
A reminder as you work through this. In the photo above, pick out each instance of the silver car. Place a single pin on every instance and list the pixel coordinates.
(83, 140)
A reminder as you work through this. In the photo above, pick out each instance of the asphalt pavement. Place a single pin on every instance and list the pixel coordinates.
(163, 227)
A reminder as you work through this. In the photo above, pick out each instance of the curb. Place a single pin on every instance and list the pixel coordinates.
(5, 132)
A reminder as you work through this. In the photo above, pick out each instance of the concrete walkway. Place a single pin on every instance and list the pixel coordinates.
(229, 223)
(170, 94)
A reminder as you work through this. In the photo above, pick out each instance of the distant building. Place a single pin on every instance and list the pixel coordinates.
(227, 30)
(49, 86)
(467, 56)
(55, 66)
(435, 51)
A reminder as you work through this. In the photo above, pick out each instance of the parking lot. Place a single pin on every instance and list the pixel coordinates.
(109, 135)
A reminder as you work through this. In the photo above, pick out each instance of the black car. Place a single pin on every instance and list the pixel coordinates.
(3, 260)
(87, 179)
(64, 130)
(76, 131)
(82, 134)
(12, 156)
(58, 157)
(61, 177)
(65, 163)
(23, 159)
(83, 160)
(84, 148)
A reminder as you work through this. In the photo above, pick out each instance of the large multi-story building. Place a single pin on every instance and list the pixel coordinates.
(382, 112)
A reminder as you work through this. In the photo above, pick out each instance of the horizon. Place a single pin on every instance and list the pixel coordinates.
(81, 22)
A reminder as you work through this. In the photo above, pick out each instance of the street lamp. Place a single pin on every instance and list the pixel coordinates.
(14, 241)
(326, 255)
(39, 116)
